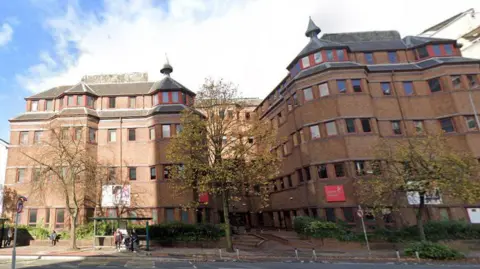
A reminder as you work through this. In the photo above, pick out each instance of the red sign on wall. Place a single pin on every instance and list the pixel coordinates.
(203, 198)
(334, 193)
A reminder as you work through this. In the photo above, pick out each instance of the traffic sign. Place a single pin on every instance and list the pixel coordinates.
(360, 213)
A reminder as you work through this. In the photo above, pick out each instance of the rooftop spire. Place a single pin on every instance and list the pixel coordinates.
(167, 68)
(312, 29)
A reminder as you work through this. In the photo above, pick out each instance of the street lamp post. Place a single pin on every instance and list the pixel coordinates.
(20, 202)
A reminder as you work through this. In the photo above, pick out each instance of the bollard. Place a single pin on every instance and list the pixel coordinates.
(296, 253)
(238, 254)
(314, 254)
(417, 255)
(220, 253)
(398, 254)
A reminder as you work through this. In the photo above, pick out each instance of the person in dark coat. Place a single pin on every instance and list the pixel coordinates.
(53, 238)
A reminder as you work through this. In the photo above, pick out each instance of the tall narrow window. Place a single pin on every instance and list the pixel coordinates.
(155, 99)
(408, 87)
(153, 173)
(132, 102)
(112, 102)
(23, 138)
(342, 86)
(331, 128)
(329, 55)
(166, 130)
(92, 135)
(447, 125)
(340, 55)
(366, 125)
(422, 52)
(472, 81)
(323, 89)
(369, 57)
(37, 137)
(295, 139)
(112, 135)
(132, 173)
(456, 81)
(318, 57)
(185, 216)
(151, 132)
(348, 214)
(178, 128)
(357, 85)
(314, 131)
(32, 217)
(307, 173)
(360, 168)
(132, 134)
(47, 216)
(78, 133)
(70, 100)
(166, 172)
(36, 173)
(112, 174)
(448, 49)
(295, 99)
(396, 129)
(307, 94)
(305, 62)
(21, 175)
(322, 171)
(247, 115)
(330, 213)
(79, 100)
(165, 97)
(392, 57)
(434, 85)
(471, 123)
(90, 101)
(350, 125)
(339, 170)
(59, 218)
(49, 105)
(174, 97)
(300, 175)
(418, 124)
(386, 88)
(34, 105)
(436, 50)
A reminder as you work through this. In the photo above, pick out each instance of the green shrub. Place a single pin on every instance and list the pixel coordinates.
(301, 223)
(434, 251)
(323, 229)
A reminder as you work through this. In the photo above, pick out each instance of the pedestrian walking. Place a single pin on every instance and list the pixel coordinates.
(133, 241)
(53, 238)
(117, 235)
(10, 233)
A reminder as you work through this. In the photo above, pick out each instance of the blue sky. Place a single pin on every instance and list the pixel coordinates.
(47, 43)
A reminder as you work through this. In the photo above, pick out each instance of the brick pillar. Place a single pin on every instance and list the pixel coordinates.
(161, 215)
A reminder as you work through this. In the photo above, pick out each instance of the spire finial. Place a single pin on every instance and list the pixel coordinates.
(167, 68)
(312, 29)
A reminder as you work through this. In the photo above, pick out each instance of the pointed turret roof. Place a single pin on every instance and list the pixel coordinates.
(168, 83)
(312, 30)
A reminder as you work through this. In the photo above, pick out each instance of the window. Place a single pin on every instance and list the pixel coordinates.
(471, 123)
(280, 118)
(307, 94)
(250, 140)
(64, 132)
(153, 173)
(78, 133)
(447, 125)
(112, 135)
(448, 49)
(436, 50)
(340, 55)
(307, 173)
(175, 97)
(342, 86)
(387, 215)
(295, 139)
(90, 101)
(132, 173)
(369, 216)
(79, 100)
(396, 129)
(21, 175)
(329, 55)
(376, 167)
(184, 216)
(34, 106)
(151, 132)
(47, 216)
(165, 97)
(165, 130)
(305, 62)
(285, 149)
(348, 214)
(37, 137)
(331, 128)
(111, 174)
(456, 81)
(408, 87)
(360, 168)
(32, 217)
(330, 213)
(366, 125)
(111, 102)
(247, 115)
(132, 134)
(155, 99)
(70, 100)
(295, 99)
(472, 81)
(386, 88)
(368, 57)
(23, 138)
(166, 172)
(422, 52)
(357, 85)
(300, 175)
(289, 180)
(350, 125)
(434, 85)
(59, 218)
(418, 124)
(323, 89)
(339, 170)
(178, 129)
(36, 173)
(318, 57)
(392, 57)
(169, 215)
(302, 137)
(322, 171)
(92, 135)
(49, 105)
(132, 102)
(282, 184)
(314, 131)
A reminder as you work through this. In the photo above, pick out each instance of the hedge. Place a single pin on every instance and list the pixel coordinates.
(434, 251)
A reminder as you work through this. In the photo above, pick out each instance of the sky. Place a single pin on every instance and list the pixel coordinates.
(48, 43)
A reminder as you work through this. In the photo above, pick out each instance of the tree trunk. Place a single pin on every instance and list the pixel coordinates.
(421, 207)
(228, 231)
(73, 227)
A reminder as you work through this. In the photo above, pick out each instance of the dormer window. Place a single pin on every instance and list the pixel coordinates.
(90, 102)
(155, 99)
(318, 57)
(79, 100)
(165, 97)
(49, 105)
(341, 55)
(70, 100)
(305, 62)
(392, 57)
(111, 102)
(436, 50)
(174, 97)
(448, 49)
(330, 55)
(34, 106)
(422, 52)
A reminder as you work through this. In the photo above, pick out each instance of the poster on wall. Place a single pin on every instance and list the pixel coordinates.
(115, 195)
(433, 198)
(334, 193)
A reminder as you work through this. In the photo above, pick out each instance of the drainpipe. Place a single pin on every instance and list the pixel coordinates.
(121, 148)
(397, 97)
(473, 107)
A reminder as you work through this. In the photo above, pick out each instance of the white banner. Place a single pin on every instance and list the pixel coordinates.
(115, 195)
(430, 198)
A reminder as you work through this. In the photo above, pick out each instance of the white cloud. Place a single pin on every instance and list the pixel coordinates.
(6, 33)
(247, 42)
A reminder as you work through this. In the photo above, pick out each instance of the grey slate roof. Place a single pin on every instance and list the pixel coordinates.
(33, 116)
(80, 88)
(51, 93)
(363, 36)
(167, 83)
(327, 65)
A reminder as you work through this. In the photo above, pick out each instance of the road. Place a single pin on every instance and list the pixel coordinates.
(113, 264)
